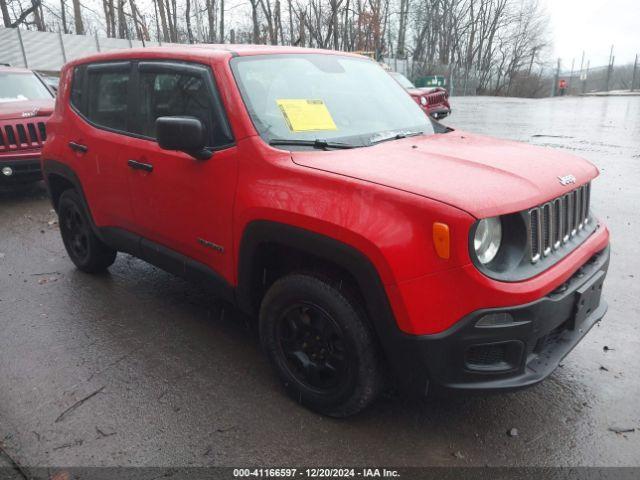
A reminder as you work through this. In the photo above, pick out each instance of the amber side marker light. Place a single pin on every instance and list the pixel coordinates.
(441, 239)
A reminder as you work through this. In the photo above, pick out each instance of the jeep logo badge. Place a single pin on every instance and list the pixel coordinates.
(567, 179)
(30, 114)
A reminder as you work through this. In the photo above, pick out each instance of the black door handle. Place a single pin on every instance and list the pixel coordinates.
(147, 167)
(76, 147)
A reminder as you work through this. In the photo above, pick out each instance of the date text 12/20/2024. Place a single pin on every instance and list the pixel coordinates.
(316, 472)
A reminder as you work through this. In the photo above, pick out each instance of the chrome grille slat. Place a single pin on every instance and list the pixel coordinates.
(555, 223)
(566, 218)
(587, 202)
(534, 222)
(546, 229)
(583, 213)
(577, 220)
(571, 210)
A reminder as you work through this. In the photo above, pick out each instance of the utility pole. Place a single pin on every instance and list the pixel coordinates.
(573, 61)
(635, 72)
(609, 69)
(554, 90)
(586, 74)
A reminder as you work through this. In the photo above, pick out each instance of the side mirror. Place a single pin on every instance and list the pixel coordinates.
(185, 134)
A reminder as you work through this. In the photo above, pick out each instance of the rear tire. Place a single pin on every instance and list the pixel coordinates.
(85, 249)
(321, 345)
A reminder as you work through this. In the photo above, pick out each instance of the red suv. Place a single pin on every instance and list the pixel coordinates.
(434, 101)
(373, 245)
(25, 104)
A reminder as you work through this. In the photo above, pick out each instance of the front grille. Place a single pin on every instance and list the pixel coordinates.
(22, 135)
(436, 98)
(556, 222)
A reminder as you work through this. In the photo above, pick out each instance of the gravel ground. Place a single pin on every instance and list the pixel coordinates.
(137, 367)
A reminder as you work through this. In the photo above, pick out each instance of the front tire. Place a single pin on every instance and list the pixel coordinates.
(321, 345)
(85, 249)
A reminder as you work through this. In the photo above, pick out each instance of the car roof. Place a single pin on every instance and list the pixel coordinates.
(205, 52)
(4, 68)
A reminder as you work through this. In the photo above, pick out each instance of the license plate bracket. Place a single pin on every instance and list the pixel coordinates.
(587, 298)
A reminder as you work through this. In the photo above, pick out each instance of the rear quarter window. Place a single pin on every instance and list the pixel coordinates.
(108, 99)
(77, 97)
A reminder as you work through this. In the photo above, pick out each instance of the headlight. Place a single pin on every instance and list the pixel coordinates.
(487, 239)
(423, 101)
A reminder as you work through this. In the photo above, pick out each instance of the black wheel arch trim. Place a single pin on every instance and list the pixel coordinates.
(54, 167)
(352, 260)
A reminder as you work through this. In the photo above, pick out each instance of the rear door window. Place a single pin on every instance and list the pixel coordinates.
(108, 95)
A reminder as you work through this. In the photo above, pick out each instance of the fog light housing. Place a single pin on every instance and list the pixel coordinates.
(494, 357)
(7, 171)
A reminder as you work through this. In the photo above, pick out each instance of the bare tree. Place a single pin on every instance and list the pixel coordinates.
(63, 16)
(187, 17)
(221, 21)
(402, 28)
(255, 38)
(6, 18)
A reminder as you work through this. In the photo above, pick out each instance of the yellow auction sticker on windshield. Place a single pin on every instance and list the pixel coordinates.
(306, 115)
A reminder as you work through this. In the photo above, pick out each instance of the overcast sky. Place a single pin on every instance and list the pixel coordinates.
(593, 26)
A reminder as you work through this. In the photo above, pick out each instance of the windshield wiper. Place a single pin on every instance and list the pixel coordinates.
(394, 136)
(317, 143)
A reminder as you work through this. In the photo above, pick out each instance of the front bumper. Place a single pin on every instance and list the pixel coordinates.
(510, 355)
(22, 170)
(439, 113)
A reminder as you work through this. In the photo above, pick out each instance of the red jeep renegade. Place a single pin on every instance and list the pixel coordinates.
(373, 245)
(434, 101)
(25, 104)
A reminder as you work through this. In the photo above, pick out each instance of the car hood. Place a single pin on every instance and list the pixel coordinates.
(482, 175)
(415, 92)
(424, 90)
(26, 109)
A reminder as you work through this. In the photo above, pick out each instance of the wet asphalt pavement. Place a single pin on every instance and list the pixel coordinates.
(137, 367)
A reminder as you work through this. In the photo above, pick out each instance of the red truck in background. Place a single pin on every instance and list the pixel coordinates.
(433, 100)
(26, 103)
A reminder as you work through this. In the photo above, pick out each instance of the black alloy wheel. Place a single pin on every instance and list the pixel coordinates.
(85, 249)
(321, 344)
(75, 231)
(312, 343)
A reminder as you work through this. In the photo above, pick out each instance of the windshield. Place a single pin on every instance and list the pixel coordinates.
(402, 80)
(21, 86)
(306, 97)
